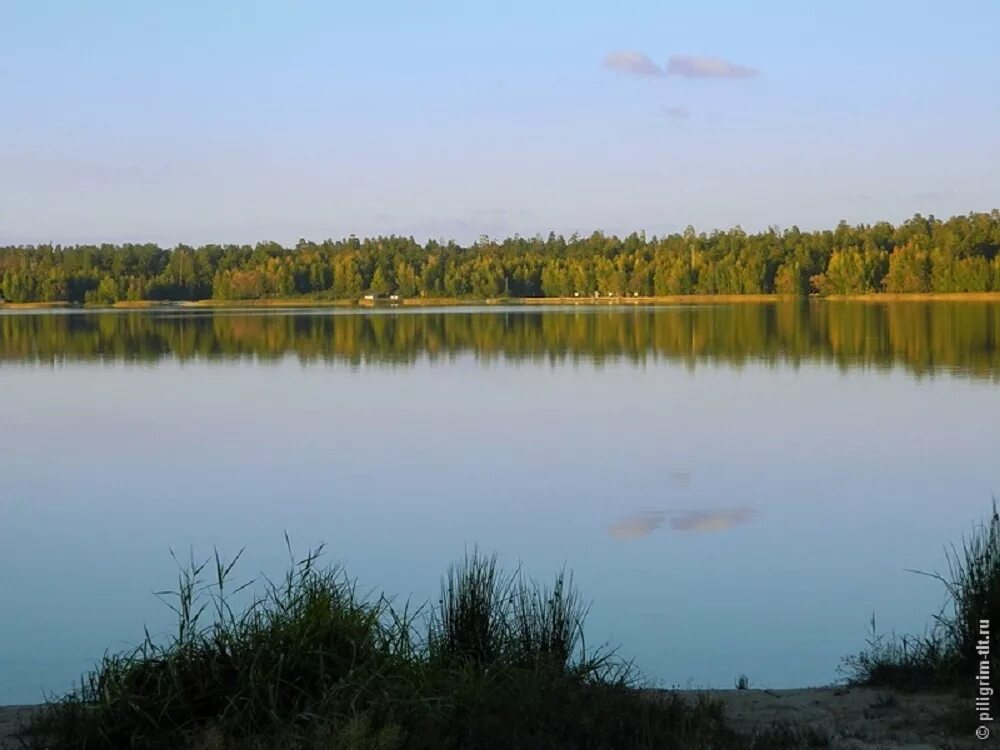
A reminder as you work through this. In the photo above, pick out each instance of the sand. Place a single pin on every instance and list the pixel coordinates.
(10, 716)
(853, 719)
(860, 718)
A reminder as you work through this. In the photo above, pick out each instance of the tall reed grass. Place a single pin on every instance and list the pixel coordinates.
(498, 662)
(947, 654)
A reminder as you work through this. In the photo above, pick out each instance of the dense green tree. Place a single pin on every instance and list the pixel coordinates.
(106, 293)
(791, 279)
(379, 283)
(406, 277)
(909, 269)
(347, 281)
(921, 254)
(845, 274)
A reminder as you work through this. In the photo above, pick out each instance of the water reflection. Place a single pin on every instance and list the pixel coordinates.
(679, 480)
(688, 521)
(707, 521)
(960, 337)
(640, 525)
(679, 461)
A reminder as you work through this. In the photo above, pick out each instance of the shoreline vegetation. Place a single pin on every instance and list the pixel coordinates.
(430, 302)
(498, 661)
(961, 337)
(960, 645)
(919, 256)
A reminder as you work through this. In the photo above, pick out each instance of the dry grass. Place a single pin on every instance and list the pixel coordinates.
(269, 302)
(673, 299)
(917, 297)
(33, 305)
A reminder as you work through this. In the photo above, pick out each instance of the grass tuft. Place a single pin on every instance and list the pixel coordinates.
(973, 585)
(471, 621)
(500, 662)
(948, 653)
(905, 662)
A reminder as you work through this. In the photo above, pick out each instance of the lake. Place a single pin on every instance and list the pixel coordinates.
(736, 488)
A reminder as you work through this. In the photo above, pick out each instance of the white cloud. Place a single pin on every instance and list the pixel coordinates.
(694, 66)
(631, 62)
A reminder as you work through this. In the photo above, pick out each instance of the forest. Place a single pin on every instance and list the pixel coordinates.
(962, 338)
(922, 254)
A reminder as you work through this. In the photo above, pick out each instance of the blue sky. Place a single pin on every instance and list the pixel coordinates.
(245, 121)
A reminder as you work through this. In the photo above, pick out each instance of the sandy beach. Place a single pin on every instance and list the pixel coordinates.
(10, 719)
(852, 718)
(858, 718)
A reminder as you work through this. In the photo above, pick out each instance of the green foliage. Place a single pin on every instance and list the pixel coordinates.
(791, 280)
(950, 653)
(380, 283)
(485, 618)
(471, 621)
(548, 623)
(845, 274)
(909, 269)
(106, 292)
(973, 586)
(309, 664)
(904, 662)
(922, 254)
(19, 286)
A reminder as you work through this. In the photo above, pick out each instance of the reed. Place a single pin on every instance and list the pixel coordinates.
(307, 663)
(948, 654)
(973, 586)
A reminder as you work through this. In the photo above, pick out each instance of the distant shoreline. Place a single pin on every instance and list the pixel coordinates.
(653, 301)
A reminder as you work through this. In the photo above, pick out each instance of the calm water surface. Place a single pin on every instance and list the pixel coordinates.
(736, 488)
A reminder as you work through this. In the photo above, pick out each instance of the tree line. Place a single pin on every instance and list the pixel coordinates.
(922, 254)
(958, 337)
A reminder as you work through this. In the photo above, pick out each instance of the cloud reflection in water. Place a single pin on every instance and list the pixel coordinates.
(688, 521)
